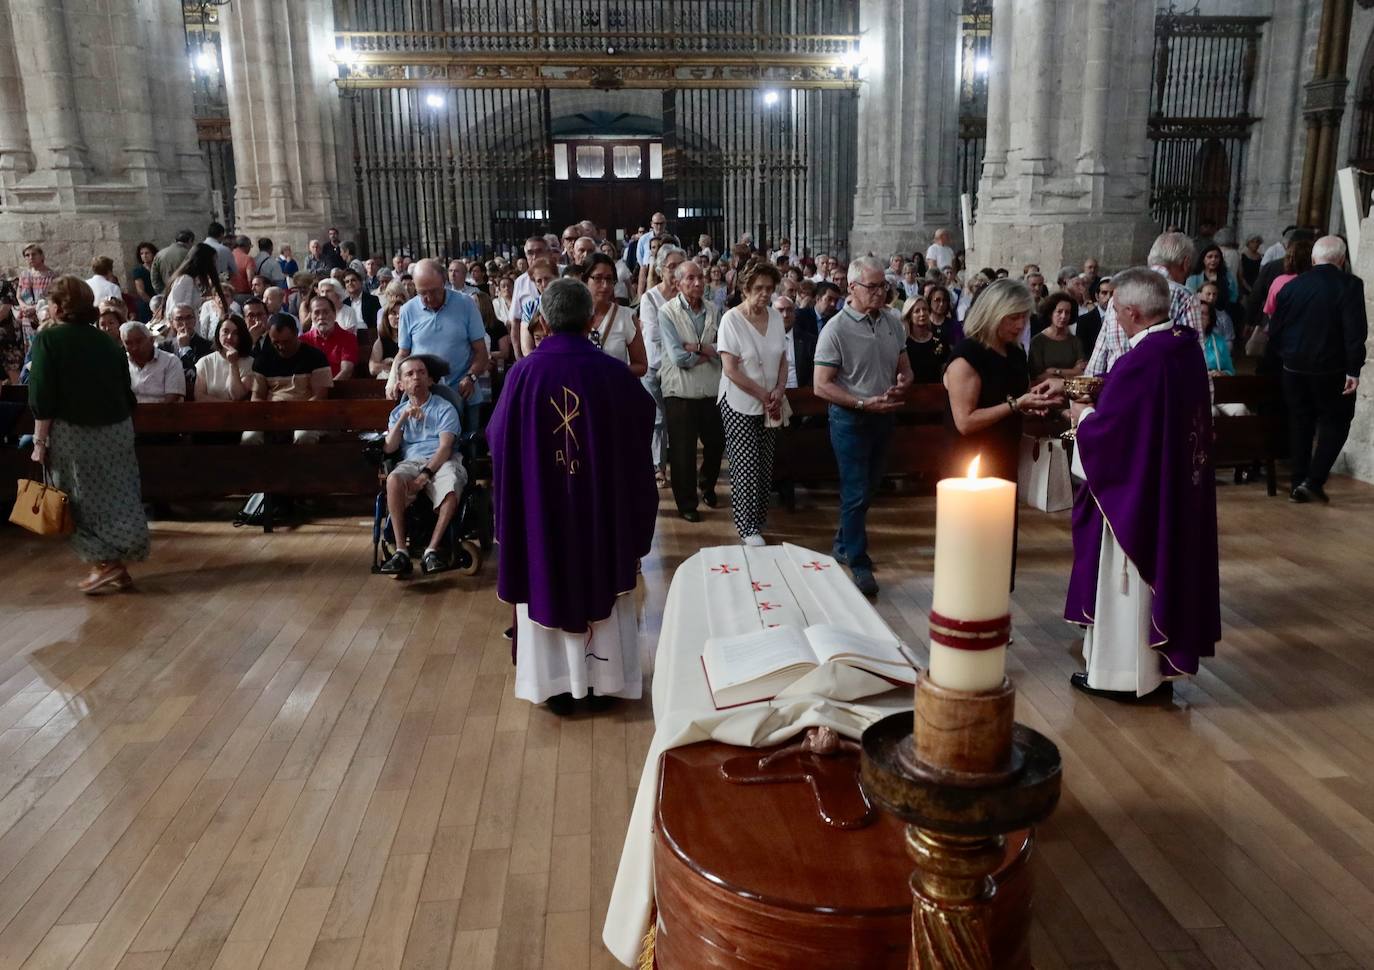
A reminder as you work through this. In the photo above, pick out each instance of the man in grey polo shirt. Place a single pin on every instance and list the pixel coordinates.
(862, 370)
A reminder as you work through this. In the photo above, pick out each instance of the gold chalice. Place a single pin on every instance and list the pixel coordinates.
(1085, 390)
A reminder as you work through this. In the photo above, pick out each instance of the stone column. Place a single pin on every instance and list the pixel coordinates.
(908, 125)
(1323, 107)
(1071, 178)
(287, 122)
(80, 170)
(1274, 161)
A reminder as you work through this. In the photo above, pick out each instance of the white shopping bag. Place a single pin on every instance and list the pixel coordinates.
(1043, 475)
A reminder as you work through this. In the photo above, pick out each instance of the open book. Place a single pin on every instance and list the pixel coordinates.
(758, 666)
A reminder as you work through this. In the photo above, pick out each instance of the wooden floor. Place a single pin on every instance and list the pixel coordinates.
(268, 757)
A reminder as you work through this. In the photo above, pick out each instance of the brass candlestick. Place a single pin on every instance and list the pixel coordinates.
(964, 778)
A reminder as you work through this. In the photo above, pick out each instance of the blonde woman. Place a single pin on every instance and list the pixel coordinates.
(988, 380)
(386, 345)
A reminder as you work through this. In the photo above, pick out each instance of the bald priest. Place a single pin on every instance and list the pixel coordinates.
(1145, 584)
(575, 509)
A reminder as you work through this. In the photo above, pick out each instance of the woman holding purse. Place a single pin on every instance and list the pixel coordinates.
(753, 381)
(83, 434)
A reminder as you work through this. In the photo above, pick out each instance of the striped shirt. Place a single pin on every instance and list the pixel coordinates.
(1112, 342)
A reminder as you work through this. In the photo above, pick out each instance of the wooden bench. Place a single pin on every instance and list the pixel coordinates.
(1258, 437)
(173, 470)
(918, 444)
(916, 452)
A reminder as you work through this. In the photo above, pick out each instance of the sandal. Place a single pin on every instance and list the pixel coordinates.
(106, 574)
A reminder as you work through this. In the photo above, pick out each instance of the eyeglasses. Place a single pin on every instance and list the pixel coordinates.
(869, 286)
(601, 278)
(570, 239)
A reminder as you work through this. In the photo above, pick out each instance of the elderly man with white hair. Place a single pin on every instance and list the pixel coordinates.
(862, 370)
(446, 324)
(1318, 332)
(1145, 584)
(1171, 256)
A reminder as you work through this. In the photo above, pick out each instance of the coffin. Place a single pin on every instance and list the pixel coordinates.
(751, 876)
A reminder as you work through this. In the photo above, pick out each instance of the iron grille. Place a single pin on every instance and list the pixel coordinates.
(1200, 120)
(975, 64)
(701, 26)
(785, 169)
(451, 176)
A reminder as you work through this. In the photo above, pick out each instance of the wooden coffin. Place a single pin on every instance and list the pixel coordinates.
(751, 876)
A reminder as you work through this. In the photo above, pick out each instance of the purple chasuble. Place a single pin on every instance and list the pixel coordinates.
(574, 485)
(1147, 457)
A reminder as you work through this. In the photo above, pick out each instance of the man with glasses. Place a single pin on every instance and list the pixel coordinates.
(862, 370)
(570, 237)
(446, 324)
(536, 248)
(658, 227)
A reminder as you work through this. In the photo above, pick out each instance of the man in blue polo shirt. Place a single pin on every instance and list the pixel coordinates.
(446, 324)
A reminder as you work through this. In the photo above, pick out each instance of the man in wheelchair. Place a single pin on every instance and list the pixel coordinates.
(424, 429)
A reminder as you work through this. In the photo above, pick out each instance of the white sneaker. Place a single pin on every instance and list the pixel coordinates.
(755, 540)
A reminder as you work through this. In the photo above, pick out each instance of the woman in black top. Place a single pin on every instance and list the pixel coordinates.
(988, 380)
(926, 349)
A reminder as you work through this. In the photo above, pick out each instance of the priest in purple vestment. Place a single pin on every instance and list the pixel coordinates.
(1145, 580)
(575, 509)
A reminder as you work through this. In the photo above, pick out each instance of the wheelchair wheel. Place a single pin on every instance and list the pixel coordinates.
(467, 558)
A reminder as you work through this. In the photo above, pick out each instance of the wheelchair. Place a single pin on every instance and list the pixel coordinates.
(470, 534)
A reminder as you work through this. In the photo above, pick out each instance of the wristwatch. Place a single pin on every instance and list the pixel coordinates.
(860, 405)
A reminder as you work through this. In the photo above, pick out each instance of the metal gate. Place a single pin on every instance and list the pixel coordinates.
(1200, 120)
(450, 171)
(974, 65)
(773, 163)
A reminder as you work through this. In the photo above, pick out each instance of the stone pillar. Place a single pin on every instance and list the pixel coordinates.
(81, 171)
(288, 126)
(1323, 106)
(908, 126)
(1066, 174)
(1273, 164)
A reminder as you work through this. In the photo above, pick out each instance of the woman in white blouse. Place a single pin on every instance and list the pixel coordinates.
(614, 329)
(225, 374)
(753, 383)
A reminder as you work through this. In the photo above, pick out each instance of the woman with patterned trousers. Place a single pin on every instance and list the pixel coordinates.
(752, 345)
(82, 406)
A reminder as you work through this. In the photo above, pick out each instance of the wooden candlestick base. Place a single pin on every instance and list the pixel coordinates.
(963, 738)
(955, 831)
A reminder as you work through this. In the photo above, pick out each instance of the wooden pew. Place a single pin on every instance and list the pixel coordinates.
(1260, 436)
(183, 469)
(918, 444)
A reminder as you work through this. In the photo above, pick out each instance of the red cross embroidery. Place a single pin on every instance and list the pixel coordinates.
(760, 587)
(765, 606)
(817, 566)
(724, 570)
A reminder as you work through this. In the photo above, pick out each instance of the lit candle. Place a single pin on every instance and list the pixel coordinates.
(975, 522)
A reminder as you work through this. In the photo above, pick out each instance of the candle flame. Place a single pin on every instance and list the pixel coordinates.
(973, 466)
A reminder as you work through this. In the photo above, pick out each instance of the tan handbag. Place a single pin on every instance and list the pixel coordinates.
(42, 509)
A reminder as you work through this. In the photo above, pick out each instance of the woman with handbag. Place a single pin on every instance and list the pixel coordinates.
(84, 436)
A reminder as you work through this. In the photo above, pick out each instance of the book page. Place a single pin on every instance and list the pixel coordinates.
(731, 661)
(832, 643)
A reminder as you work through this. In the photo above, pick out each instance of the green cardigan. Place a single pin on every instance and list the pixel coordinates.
(79, 375)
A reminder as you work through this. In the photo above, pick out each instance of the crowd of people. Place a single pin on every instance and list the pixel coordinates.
(716, 339)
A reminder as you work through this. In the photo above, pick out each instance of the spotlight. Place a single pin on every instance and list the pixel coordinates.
(610, 51)
(982, 65)
(851, 59)
(205, 61)
(770, 98)
(435, 101)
